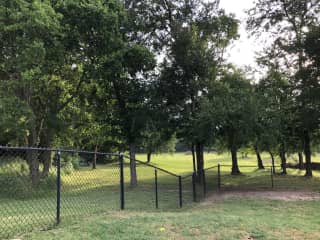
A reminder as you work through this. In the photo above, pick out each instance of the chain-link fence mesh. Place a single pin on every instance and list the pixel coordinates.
(188, 188)
(139, 195)
(251, 178)
(29, 187)
(154, 187)
(27, 190)
(87, 189)
(168, 190)
(40, 187)
(212, 179)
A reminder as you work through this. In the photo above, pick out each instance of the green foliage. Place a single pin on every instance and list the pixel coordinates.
(15, 118)
(200, 34)
(15, 181)
(70, 163)
(231, 107)
(291, 26)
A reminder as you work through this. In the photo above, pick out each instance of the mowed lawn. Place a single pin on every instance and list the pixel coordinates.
(182, 162)
(241, 218)
(90, 205)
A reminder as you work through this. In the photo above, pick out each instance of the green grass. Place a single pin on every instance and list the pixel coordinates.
(182, 162)
(231, 219)
(92, 197)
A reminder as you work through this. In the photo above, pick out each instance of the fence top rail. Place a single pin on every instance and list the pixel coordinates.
(187, 176)
(212, 167)
(56, 150)
(155, 167)
(205, 169)
(248, 166)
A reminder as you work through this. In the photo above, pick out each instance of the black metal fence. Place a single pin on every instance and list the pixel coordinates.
(39, 187)
(42, 187)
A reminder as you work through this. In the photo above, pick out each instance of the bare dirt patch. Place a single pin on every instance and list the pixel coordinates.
(273, 195)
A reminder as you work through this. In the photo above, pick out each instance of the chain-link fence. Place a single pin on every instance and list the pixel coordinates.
(251, 178)
(90, 183)
(41, 187)
(28, 190)
(152, 187)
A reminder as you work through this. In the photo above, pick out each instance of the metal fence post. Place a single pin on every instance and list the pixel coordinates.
(194, 175)
(273, 167)
(204, 183)
(180, 192)
(156, 186)
(271, 172)
(58, 186)
(219, 177)
(121, 181)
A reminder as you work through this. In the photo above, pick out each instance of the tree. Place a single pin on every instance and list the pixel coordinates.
(156, 141)
(49, 49)
(15, 117)
(309, 97)
(230, 105)
(30, 47)
(199, 33)
(288, 23)
(276, 130)
(128, 70)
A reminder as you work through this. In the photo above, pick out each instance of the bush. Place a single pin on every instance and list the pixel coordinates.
(69, 163)
(15, 181)
(13, 186)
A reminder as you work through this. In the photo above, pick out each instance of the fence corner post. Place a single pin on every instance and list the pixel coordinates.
(121, 181)
(58, 163)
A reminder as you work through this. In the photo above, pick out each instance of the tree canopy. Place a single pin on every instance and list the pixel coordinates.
(115, 75)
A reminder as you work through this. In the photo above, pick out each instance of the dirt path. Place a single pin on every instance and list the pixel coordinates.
(273, 195)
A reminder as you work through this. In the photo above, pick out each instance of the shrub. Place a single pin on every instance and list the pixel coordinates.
(69, 163)
(15, 181)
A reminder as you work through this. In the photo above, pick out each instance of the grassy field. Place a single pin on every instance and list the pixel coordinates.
(182, 162)
(231, 219)
(90, 205)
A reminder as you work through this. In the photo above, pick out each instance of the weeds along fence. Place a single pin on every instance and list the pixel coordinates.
(41, 187)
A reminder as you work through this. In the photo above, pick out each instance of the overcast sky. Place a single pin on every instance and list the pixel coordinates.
(242, 52)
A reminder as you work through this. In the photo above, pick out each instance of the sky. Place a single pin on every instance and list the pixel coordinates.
(242, 51)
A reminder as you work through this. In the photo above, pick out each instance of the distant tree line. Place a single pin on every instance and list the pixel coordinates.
(114, 75)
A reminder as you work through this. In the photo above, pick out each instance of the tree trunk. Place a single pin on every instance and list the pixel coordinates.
(46, 138)
(133, 172)
(200, 163)
(259, 159)
(300, 160)
(235, 168)
(193, 158)
(149, 157)
(94, 162)
(272, 162)
(32, 158)
(283, 158)
(307, 153)
(45, 157)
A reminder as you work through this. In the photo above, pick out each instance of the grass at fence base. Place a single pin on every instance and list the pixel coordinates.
(231, 219)
(86, 192)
